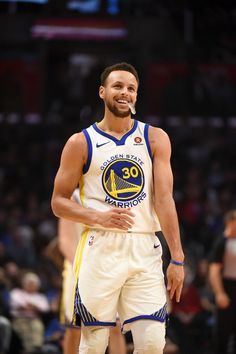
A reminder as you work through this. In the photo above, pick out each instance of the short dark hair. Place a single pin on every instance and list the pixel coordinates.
(119, 66)
(229, 216)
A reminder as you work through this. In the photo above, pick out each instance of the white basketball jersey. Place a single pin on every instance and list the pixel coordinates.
(118, 173)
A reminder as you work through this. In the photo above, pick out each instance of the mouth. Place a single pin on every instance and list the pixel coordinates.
(122, 102)
(126, 104)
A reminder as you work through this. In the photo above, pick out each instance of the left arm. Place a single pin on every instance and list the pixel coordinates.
(165, 207)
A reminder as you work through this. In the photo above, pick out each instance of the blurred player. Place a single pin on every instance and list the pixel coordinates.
(222, 273)
(68, 238)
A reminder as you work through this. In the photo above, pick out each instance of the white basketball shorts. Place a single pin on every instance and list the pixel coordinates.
(118, 272)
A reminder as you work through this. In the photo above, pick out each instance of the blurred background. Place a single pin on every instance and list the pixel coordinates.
(51, 55)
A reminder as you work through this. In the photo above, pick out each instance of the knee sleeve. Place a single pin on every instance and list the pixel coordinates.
(148, 337)
(93, 340)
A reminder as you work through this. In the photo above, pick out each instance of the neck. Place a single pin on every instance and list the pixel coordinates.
(116, 125)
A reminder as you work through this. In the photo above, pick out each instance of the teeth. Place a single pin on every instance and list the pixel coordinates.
(122, 101)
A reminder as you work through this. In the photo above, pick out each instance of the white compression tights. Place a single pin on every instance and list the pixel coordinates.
(148, 337)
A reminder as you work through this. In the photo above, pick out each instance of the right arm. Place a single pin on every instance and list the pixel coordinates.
(215, 277)
(73, 158)
(215, 273)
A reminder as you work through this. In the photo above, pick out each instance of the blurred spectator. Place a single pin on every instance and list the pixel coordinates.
(5, 324)
(27, 307)
(4, 257)
(13, 274)
(21, 249)
(222, 274)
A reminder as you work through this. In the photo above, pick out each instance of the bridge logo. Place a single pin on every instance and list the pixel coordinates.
(123, 179)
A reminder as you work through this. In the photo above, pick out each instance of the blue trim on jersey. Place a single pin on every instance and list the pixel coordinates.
(90, 151)
(116, 141)
(81, 313)
(147, 140)
(100, 323)
(143, 317)
(160, 315)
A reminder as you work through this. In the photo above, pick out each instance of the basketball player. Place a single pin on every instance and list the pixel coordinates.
(122, 167)
(68, 237)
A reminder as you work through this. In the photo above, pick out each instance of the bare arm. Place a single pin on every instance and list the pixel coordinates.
(215, 277)
(68, 177)
(165, 207)
(67, 239)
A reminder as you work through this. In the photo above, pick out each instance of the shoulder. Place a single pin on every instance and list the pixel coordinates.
(158, 140)
(155, 132)
(76, 145)
(76, 140)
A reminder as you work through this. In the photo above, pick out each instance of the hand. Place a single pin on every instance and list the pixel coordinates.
(175, 279)
(222, 300)
(116, 218)
(184, 317)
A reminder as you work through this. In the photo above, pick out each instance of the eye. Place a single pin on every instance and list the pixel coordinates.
(117, 86)
(132, 89)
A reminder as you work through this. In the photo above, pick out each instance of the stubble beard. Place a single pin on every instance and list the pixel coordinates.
(117, 112)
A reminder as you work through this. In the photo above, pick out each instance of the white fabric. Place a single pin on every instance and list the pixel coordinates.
(123, 272)
(93, 340)
(148, 337)
(120, 174)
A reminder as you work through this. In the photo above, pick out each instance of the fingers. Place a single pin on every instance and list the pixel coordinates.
(175, 279)
(178, 293)
(171, 288)
(175, 290)
(126, 211)
(122, 218)
(117, 218)
(122, 225)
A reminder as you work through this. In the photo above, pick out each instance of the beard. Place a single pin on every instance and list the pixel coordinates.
(117, 112)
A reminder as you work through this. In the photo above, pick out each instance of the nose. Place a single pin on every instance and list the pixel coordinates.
(124, 90)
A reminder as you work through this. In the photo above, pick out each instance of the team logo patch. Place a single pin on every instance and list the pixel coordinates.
(138, 139)
(123, 179)
(91, 239)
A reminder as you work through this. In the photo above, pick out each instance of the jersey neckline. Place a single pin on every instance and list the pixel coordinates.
(120, 141)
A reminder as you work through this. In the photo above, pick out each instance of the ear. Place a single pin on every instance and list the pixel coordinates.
(101, 92)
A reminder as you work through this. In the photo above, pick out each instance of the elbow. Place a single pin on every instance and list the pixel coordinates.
(55, 207)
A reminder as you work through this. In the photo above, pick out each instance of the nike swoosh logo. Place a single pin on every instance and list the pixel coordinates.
(99, 145)
(156, 246)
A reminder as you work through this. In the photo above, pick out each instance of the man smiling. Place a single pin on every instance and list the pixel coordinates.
(121, 268)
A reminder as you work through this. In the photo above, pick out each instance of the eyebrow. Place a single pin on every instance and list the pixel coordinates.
(120, 82)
